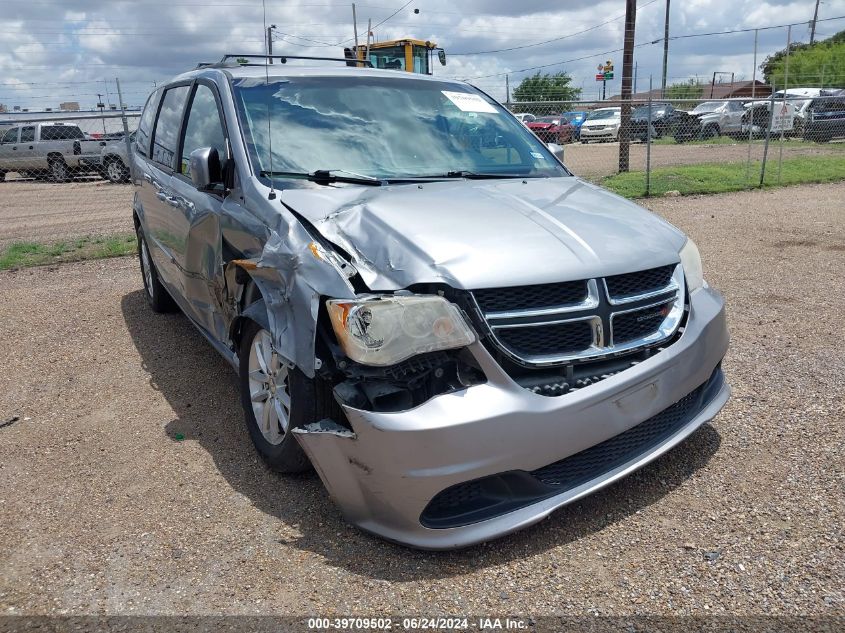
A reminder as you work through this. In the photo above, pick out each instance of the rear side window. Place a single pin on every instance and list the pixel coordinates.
(61, 133)
(27, 134)
(166, 134)
(204, 128)
(10, 136)
(145, 125)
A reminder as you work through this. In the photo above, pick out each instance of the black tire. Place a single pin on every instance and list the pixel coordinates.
(711, 131)
(59, 171)
(311, 400)
(157, 296)
(115, 171)
(2, 176)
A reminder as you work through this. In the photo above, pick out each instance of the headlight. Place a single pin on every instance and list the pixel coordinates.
(691, 261)
(386, 330)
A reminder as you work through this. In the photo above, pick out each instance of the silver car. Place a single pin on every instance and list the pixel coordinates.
(419, 299)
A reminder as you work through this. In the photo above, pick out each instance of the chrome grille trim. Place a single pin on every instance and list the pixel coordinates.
(590, 302)
(600, 310)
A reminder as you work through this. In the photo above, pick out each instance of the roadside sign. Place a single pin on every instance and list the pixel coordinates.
(783, 118)
(608, 75)
(600, 77)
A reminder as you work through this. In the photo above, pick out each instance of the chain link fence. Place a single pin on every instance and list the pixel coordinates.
(682, 145)
(66, 175)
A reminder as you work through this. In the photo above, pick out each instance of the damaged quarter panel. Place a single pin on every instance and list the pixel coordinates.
(420, 300)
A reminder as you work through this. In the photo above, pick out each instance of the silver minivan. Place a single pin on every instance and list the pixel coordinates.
(420, 300)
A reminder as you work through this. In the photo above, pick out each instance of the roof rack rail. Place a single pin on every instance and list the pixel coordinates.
(236, 60)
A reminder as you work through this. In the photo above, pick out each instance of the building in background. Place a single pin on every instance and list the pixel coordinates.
(69, 106)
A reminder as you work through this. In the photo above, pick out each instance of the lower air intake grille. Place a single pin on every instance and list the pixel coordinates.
(489, 497)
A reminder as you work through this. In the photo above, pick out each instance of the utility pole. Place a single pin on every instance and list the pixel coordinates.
(627, 67)
(813, 27)
(355, 28)
(665, 52)
(507, 90)
(270, 42)
(636, 64)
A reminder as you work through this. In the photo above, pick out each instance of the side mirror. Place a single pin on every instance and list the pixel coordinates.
(441, 55)
(205, 167)
(557, 150)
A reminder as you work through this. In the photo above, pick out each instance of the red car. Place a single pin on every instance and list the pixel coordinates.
(552, 129)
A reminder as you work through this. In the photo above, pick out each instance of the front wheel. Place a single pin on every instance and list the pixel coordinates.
(277, 399)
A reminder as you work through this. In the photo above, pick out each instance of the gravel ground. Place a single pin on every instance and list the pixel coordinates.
(129, 484)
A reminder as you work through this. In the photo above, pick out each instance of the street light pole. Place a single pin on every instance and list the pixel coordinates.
(270, 42)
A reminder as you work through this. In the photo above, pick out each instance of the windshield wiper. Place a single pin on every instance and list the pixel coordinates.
(327, 176)
(472, 175)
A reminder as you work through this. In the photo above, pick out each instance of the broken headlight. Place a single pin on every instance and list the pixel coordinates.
(388, 329)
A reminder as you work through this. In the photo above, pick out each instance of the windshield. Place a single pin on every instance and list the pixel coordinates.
(604, 114)
(708, 106)
(386, 128)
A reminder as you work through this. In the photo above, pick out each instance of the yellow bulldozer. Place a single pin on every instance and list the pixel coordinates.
(408, 54)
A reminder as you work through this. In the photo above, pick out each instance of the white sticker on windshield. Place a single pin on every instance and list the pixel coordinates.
(537, 155)
(468, 102)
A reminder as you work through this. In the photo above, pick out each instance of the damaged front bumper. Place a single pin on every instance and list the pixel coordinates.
(473, 465)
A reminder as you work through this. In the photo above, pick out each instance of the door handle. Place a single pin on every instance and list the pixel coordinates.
(30, 147)
(173, 202)
(15, 148)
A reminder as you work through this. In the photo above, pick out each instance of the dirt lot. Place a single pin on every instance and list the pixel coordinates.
(47, 212)
(129, 484)
(42, 211)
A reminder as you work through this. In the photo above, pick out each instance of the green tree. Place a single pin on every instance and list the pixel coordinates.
(820, 64)
(689, 89)
(546, 87)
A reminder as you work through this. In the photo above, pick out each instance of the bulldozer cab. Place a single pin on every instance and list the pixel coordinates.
(410, 55)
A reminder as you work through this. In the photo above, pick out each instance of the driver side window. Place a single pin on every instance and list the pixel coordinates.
(204, 128)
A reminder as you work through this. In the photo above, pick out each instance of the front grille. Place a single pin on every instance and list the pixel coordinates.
(489, 497)
(639, 282)
(629, 326)
(531, 297)
(559, 338)
(547, 324)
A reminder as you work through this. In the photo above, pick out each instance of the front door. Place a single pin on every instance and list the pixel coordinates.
(199, 259)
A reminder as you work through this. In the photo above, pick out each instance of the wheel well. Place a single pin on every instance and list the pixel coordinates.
(55, 157)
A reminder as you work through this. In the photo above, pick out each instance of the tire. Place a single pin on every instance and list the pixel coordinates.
(301, 400)
(2, 176)
(59, 171)
(711, 131)
(157, 296)
(115, 171)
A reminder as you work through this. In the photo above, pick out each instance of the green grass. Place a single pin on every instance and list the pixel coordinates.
(724, 177)
(25, 254)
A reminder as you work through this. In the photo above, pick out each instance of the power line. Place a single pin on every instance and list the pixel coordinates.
(555, 39)
(380, 23)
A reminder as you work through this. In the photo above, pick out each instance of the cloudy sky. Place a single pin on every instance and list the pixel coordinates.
(70, 50)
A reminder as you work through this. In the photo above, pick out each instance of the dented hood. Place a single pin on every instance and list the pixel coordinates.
(481, 234)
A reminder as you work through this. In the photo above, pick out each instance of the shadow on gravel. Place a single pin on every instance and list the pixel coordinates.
(202, 389)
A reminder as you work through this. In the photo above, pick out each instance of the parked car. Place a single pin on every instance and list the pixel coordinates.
(525, 117)
(664, 119)
(826, 118)
(552, 129)
(601, 125)
(115, 161)
(461, 338)
(576, 118)
(54, 148)
(710, 119)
